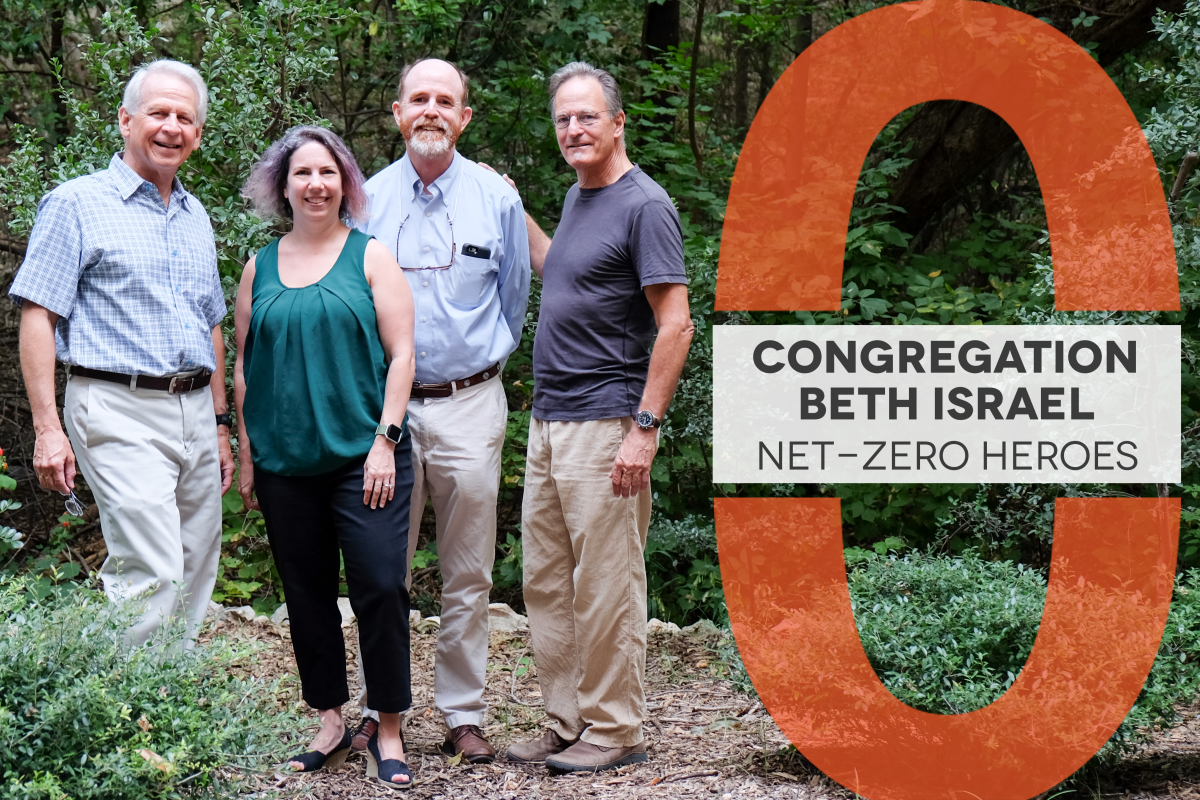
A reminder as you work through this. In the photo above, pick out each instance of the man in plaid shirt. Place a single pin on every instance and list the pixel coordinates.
(120, 282)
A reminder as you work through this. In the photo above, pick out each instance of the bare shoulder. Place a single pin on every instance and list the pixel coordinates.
(378, 254)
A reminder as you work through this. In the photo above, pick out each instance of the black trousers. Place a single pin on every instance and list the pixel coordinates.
(309, 519)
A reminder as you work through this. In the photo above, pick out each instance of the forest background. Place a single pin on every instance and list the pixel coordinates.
(948, 227)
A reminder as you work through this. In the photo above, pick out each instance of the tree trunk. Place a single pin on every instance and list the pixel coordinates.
(660, 32)
(803, 32)
(953, 142)
(660, 29)
(695, 56)
(741, 88)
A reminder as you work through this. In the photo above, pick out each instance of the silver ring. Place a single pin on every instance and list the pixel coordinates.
(387, 486)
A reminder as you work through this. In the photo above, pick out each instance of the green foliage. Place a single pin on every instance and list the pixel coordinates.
(10, 538)
(945, 634)
(247, 573)
(949, 634)
(506, 574)
(84, 716)
(683, 580)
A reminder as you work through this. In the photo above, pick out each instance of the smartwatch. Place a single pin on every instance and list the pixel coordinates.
(647, 421)
(390, 432)
(226, 420)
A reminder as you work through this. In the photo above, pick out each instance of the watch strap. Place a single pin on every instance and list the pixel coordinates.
(226, 420)
(390, 432)
(655, 421)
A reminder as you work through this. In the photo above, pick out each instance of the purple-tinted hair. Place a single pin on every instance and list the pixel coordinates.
(264, 188)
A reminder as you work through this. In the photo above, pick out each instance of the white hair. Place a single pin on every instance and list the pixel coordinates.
(132, 101)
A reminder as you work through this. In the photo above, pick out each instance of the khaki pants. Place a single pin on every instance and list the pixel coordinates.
(585, 581)
(456, 444)
(151, 461)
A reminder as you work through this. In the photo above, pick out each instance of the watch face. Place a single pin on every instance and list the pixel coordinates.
(645, 419)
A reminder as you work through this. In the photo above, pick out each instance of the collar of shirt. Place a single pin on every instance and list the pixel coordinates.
(443, 188)
(127, 181)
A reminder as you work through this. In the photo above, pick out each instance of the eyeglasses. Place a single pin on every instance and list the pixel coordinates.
(453, 246)
(74, 504)
(587, 119)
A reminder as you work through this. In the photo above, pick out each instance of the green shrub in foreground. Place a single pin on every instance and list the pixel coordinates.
(84, 716)
(950, 634)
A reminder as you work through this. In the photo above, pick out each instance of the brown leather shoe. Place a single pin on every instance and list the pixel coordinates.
(363, 734)
(468, 741)
(536, 751)
(587, 757)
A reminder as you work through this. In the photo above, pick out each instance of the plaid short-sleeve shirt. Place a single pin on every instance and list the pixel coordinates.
(134, 282)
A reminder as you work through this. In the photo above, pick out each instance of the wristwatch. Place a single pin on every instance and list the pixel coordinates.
(226, 420)
(647, 421)
(390, 432)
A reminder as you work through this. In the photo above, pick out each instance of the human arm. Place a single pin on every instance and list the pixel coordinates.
(241, 326)
(394, 319)
(669, 301)
(220, 406)
(47, 286)
(512, 281)
(53, 458)
(539, 242)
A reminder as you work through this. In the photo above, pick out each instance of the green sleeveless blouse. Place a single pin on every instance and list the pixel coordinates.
(314, 366)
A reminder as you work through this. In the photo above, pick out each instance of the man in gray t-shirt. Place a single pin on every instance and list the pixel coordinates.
(612, 275)
(592, 350)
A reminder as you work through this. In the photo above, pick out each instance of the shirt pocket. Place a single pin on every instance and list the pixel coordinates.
(470, 277)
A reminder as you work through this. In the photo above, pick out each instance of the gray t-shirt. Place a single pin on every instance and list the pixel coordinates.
(595, 328)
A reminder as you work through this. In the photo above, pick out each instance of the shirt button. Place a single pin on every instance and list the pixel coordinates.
(429, 213)
(422, 319)
(426, 249)
(426, 283)
(422, 355)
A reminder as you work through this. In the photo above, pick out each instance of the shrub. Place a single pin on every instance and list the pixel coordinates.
(950, 634)
(946, 635)
(682, 576)
(84, 716)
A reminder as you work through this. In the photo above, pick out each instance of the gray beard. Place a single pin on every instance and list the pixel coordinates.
(427, 146)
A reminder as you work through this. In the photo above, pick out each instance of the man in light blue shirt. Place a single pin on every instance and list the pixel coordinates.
(458, 231)
(120, 282)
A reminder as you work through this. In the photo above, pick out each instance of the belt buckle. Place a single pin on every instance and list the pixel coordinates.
(172, 384)
(133, 382)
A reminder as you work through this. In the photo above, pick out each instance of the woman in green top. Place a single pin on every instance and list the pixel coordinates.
(324, 322)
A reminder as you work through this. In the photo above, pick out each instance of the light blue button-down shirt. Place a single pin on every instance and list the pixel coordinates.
(470, 316)
(134, 283)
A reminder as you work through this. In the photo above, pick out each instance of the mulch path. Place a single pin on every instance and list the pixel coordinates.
(705, 738)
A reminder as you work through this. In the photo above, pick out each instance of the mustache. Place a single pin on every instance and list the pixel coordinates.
(429, 127)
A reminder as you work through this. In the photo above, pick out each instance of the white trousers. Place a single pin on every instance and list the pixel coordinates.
(456, 461)
(151, 461)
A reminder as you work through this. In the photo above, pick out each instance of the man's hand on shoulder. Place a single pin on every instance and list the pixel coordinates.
(507, 179)
(631, 470)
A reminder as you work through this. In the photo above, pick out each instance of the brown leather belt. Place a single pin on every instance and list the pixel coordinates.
(174, 384)
(421, 391)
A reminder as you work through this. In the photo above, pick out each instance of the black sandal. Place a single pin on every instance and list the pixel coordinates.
(315, 760)
(377, 767)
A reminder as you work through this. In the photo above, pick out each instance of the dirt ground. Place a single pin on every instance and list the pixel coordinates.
(705, 738)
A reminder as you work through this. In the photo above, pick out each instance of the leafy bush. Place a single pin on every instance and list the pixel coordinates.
(945, 634)
(84, 716)
(683, 579)
(949, 634)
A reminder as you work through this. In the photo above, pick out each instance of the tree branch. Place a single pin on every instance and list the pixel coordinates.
(692, 87)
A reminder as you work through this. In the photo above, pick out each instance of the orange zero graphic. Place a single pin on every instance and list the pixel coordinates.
(783, 246)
